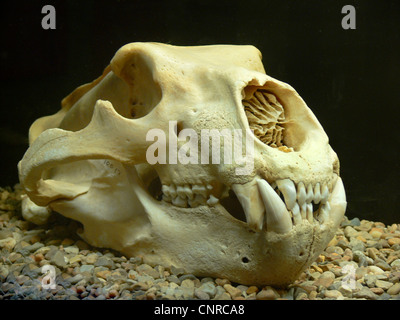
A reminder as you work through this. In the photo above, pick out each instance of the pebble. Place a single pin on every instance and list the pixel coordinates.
(234, 292)
(268, 293)
(370, 250)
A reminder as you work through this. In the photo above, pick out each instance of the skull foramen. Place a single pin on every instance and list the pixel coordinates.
(88, 162)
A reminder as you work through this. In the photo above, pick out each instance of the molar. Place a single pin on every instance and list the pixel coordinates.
(200, 189)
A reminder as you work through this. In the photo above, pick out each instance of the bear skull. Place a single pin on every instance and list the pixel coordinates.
(260, 221)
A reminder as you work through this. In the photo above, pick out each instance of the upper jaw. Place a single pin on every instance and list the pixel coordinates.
(278, 206)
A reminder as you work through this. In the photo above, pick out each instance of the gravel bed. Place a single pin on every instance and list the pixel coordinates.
(361, 262)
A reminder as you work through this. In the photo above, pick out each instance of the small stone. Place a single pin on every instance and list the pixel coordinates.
(209, 288)
(395, 289)
(336, 294)
(376, 232)
(177, 271)
(375, 270)
(59, 259)
(268, 293)
(91, 258)
(234, 292)
(395, 263)
(252, 289)
(75, 279)
(365, 293)
(383, 265)
(377, 291)
(325, 282)
(71, 249)
(223, 296)
(104, 262)
(8, 243)
(393, 241)
(200, 294)
(112, 294)
(86, 268)
(300, 296)
(385, 285)
(350, 232)
(82, 245)
(222, 282)
(103, 274)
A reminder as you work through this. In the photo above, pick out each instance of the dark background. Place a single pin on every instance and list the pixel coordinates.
(349, 78)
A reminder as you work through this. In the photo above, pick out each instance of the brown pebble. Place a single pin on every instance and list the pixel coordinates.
(252, 289)
(222, 282)
(39, 257)
(80, 289)
(393, 241)
(234, 292)
(112, 293)
(377, 290)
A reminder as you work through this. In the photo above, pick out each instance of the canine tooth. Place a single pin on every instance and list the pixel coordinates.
(310, 215)
(337, 202)
(212, 200)
(301, 193)
(200, 189)
(296, 214)
(252, 203)
(317, 193)
(324, 194)
(310, 193)
(287, 187)
(179, 202)
(277, 217)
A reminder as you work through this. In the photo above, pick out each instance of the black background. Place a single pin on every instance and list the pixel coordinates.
(349, 78)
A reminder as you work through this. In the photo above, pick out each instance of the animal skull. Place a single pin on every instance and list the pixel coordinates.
(88, 162)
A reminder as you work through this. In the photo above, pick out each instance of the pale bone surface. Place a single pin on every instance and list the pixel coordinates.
(88, 162)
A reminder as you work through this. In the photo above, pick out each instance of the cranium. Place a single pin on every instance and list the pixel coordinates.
(88, 162)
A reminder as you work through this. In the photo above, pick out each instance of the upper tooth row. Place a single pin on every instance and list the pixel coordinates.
(301, 194)
(188, 195)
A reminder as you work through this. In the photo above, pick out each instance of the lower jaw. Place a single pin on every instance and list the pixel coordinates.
(210, 242)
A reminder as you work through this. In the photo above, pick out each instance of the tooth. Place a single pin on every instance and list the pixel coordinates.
(212, 200)
(310, 193)
(303, 210)
(198, 200)
(200, 189)
(180, 193)
(287, 187)
(310, 215)
(277, 216)
(184, 192)
(324, 212)
(166, 198)
(337, 201)
(296, 214)
(172, 191)
(253, 206)
(179, 202)
(324, 194)
(301, 193)
(317, 193)
(165, 190)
